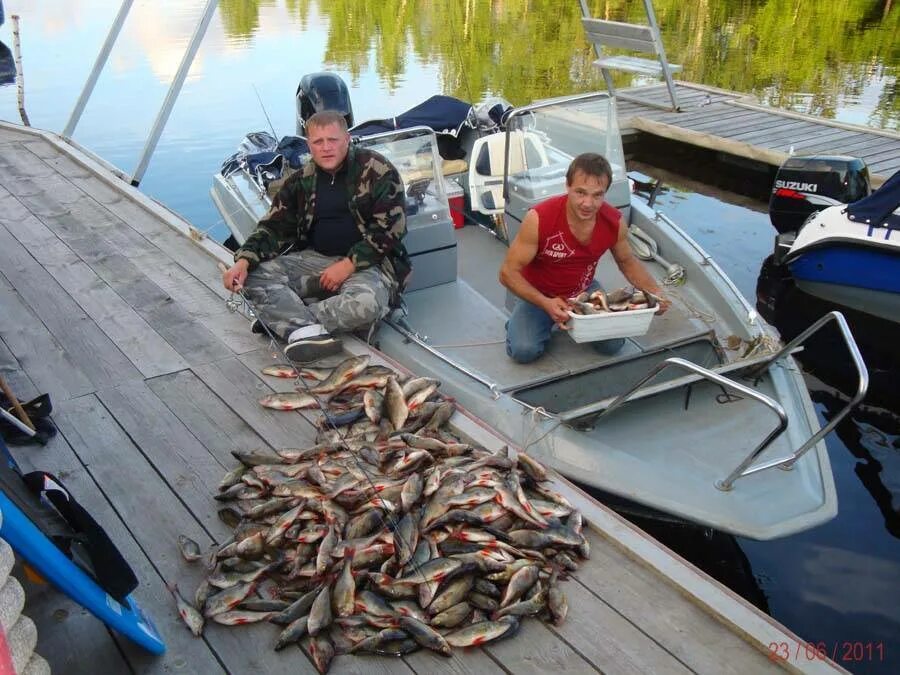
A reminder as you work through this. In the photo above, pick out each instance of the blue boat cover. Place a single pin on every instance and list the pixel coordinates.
(444, 114)
(877, 210)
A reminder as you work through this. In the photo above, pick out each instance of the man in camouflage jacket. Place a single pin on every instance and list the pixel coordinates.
(333, 235)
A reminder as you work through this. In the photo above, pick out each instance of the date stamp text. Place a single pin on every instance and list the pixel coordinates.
(841, 651)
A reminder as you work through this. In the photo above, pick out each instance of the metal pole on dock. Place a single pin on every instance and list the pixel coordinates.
(111, 38)
(20, 76)
(173, 92)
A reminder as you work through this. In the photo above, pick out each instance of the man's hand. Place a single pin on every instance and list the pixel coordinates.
(558, 309)
(336, 274)
(234, 278)
(661, 300)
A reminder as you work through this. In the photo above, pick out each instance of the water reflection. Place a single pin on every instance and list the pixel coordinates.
(817, 60)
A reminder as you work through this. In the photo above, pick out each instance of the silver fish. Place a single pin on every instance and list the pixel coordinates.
(190, 549)
(284, 370)
(373, 404)
(320, 613)
(291, 400)
(191, 617)
(344, 372)
(478, 634)
(322, 652)
(292, 632)
(395, 404)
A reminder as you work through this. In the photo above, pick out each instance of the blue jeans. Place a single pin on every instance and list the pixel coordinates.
(528, 332)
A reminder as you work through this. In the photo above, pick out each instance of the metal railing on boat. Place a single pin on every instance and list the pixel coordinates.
(747, 467)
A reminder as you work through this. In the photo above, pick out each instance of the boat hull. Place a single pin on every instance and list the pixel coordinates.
(865, 279)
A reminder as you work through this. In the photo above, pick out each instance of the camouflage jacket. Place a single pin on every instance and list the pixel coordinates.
(377, 203)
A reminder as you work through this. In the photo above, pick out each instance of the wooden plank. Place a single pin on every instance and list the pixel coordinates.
(707, 114)
(193, 258)
(34, 349)
(536, 650)
(718, 112)
(885, 152)
(752, 128)
(10, 136)
(162, 234)
(461, 662)
(17, 379)
(778, 130)
(155, 516)
(71, 639)
(16, 172)
(200, 302)
(208, 417)
(886, 168)
(241, 390)
(708, 141)
(867, 144)
(193, 341)
(146, 349)
(98, 357)
(607, 639)
(829, 141)
(68, 637)
(714, 124)
(185, 465)
(645, 599)
(836, 138)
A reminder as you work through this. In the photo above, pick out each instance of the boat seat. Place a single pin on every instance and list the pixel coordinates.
(486, 172)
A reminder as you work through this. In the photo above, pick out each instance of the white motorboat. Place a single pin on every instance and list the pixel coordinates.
(705, 418)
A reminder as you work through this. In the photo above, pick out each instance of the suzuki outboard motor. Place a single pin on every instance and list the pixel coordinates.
(322, 91)
(804, 185)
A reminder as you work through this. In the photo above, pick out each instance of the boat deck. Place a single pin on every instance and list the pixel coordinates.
(736, 124)
(120, 317)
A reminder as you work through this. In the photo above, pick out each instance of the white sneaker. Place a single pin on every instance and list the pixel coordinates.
(313, 330)
(311, 343)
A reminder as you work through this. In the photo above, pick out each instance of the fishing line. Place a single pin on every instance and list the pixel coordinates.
(389, 519)
(455, 44)
(271, 126)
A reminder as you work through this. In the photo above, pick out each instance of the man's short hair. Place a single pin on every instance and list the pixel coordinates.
(591, 164)
(325, 118)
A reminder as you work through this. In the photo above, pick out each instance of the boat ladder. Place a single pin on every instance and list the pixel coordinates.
(747, 466)
(634, 37)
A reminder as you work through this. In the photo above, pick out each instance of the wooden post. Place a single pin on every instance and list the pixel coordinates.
(20, 411)
(20, 78)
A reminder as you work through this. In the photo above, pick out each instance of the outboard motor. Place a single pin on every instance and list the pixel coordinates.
(804, 185)
(322, 91)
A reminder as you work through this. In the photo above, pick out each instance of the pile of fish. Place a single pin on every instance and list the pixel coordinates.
(391, 534)
(622, 300)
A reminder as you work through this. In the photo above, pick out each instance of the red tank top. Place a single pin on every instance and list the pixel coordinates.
(563, 265)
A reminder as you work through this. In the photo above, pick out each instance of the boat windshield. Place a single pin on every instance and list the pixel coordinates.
(414, 152)
(544, 138)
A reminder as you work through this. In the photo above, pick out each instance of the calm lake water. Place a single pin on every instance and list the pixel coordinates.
(834, 584)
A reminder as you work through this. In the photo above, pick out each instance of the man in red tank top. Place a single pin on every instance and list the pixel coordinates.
(555, 254)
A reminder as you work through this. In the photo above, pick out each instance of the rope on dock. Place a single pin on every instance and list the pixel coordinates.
(20, 77)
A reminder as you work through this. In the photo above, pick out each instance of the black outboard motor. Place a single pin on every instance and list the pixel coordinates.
(322, 91)
(804, 185)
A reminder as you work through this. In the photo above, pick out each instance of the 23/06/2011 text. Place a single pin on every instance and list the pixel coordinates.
(845, 651)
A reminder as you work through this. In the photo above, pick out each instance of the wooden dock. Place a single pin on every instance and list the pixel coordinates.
(108, 304)
(733, 123)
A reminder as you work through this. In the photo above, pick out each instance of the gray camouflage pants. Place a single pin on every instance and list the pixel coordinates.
(276, 287)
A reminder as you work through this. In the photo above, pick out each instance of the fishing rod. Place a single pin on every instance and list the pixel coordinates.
(271, 126)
